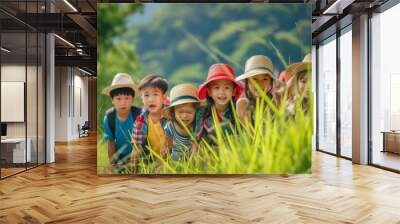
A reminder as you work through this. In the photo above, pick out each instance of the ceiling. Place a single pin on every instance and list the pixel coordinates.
(74, 22)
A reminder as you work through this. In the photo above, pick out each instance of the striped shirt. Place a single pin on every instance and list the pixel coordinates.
(181, 145)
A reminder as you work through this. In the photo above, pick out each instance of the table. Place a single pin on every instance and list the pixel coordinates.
(15, 148)
(391, 141)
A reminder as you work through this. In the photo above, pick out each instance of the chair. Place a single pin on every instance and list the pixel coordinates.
(84, 130)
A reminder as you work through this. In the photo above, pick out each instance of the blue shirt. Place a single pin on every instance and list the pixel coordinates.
(122, 138)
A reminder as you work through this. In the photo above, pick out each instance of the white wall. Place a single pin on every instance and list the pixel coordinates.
(70, 83)
(61, 103)
(12, 73)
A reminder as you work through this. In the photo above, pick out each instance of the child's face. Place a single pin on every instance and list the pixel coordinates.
(153, 99)
(185, 113)
(122, 103)
(264, 82)
(302, 81)
(221, 91)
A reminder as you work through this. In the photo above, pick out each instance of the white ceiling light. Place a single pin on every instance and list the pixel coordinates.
(70, 5)
(65, 41)
(5, 50)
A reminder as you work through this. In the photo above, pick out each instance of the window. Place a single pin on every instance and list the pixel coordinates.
(346, 92)
(327, 96)
(385, 88)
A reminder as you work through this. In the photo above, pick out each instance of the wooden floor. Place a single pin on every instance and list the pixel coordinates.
(387, 159)
(10, 171)
(69, 191)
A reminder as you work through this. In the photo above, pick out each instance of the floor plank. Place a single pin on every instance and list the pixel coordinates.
(70, 191)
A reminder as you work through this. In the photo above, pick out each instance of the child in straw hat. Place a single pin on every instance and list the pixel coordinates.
(298, 79)
(181, 126)
(118, 121)
(258, 72)
(221, 91)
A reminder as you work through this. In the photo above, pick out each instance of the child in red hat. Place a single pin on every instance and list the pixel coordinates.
(221, 91)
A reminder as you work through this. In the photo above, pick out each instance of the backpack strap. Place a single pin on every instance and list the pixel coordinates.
(135, 111)
(111, 116)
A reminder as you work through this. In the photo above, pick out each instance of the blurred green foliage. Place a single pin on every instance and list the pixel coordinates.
(113, 54)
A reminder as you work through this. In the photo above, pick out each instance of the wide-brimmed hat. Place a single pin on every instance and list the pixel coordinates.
(220, 72)
(121, 80)
(257, 65)
(295, 68)
(181, 94)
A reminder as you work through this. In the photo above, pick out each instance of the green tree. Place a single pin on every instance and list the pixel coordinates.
(114, 53)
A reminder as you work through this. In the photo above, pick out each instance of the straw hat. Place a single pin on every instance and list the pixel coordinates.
(257, 65)
(294, 68)
(120, 80)
(181, 94)
(220, 72)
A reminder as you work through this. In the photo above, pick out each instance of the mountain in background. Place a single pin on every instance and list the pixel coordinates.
(180, 41)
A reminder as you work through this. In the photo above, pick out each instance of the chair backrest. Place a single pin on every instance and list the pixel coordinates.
(86, 125)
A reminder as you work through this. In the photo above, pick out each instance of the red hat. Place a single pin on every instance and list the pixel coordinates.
(219, 72)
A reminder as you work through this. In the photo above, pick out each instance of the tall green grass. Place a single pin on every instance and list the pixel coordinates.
(277, 143)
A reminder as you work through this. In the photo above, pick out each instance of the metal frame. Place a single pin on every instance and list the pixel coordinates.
(369, 113)
(317, 98)
(338, 74)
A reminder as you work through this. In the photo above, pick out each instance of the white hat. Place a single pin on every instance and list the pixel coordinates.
(121, 80)
(257, 65)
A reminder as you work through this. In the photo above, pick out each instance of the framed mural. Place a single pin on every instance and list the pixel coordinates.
(204, 88)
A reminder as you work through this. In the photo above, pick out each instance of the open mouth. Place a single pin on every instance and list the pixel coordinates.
(222, 98)
(152, 106)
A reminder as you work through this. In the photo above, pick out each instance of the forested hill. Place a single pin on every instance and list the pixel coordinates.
(180, 41)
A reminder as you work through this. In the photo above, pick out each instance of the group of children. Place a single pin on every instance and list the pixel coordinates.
(169, 127)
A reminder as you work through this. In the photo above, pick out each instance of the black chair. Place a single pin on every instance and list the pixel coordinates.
(84, 130)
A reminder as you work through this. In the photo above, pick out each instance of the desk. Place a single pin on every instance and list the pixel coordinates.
(16, 147)
(391, 141)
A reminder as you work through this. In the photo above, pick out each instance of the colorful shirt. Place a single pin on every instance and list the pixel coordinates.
(207, 127)
(140, 129)
(181, 145)
(156, 136)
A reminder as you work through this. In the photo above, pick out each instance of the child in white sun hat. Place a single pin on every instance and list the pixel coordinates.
(258, 72)
(119, 120)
